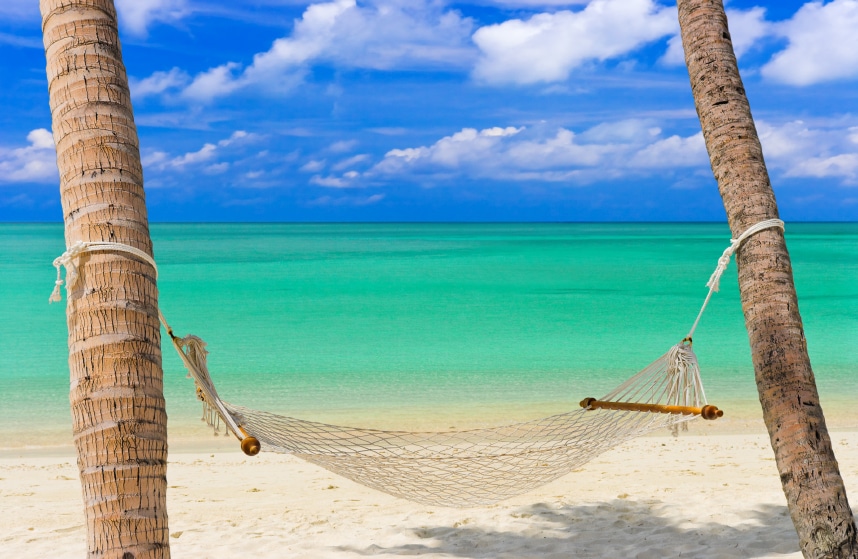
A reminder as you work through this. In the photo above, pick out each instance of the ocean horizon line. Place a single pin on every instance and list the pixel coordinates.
(446, 222)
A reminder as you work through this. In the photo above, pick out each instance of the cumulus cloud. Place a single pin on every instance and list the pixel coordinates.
(844, 165)
(381, 35)
(634, 147)
(674, 151)
(747, 27)
(797, 149)
(135, 16)
(547, 47)
(621, 149)
(821, 44)
(36, 162)
(789, 140)
(461, 149)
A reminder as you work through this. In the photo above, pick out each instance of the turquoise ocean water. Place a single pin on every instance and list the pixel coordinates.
(428, 325)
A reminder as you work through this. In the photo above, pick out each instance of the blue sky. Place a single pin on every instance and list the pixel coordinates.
(399, 110)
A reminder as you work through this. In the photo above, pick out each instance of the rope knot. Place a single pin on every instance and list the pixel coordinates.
(67, 259)
(714, 282)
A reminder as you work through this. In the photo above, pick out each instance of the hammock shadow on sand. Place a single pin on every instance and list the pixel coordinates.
(618, 528)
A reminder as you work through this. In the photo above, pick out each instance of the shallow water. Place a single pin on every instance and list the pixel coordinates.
(433, 325)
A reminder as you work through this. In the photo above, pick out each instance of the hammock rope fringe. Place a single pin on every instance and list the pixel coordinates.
(467, 467)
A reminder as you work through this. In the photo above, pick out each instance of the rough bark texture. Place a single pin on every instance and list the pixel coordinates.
(117, 402)
(791, 410)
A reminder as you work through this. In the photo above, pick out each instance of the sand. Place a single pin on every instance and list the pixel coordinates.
(705, 495)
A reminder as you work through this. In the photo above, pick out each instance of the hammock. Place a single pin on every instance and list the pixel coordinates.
(468, 467)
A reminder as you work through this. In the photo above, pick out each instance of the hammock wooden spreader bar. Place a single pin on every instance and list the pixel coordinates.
(706, 412)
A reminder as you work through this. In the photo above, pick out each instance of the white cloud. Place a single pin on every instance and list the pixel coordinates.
(208, 153)
(158, 83)
(36, 162)
(675, 53)
(234, 137)
(797, 149)
(844, 165)
(380, 34)
(205, 153)
(153, 159)
(788, 141)
(604, 151)
(343, 146)
(41, 138)
(313, 166)
(747, 27)
(562, 150)
(331, 182)
(453, 152)
(548, 47)
(389, 130)
(615, 150)
(351, 161)
(821, 45)
(135, 16)
(674, 151)
(215, 82)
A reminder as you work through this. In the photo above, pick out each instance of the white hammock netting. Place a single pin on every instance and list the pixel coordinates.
(471, 467)
(459, 468)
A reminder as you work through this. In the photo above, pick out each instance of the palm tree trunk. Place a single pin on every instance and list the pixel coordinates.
(117, 402)
(791, 409)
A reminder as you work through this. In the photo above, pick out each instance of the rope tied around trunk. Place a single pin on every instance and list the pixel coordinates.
(714, 283)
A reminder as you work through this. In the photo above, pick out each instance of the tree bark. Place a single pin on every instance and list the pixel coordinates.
(787, 388)
(117, 402)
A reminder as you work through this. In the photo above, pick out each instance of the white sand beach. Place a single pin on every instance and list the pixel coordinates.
(706, 495)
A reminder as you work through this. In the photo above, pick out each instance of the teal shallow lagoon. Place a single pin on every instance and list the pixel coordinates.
(429, 325)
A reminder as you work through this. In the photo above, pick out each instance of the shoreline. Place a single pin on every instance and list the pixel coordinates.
(187, 433)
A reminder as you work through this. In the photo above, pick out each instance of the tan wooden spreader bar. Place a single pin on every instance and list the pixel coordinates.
(249, 445)
(706, 412)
